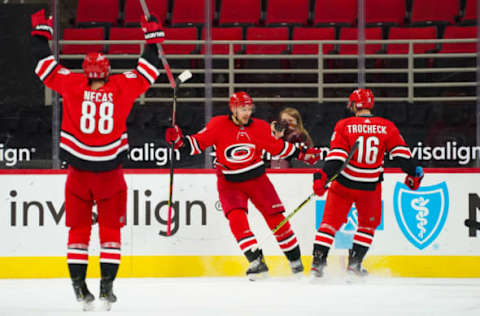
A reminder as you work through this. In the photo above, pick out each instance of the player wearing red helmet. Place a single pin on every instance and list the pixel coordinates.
(94, 142)
(96, 66)
(360, 181)
(242, 108)
(239, 141)
(240, 99)
(361, 99)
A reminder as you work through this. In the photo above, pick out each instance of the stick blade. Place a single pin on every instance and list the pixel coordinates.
(184, 76)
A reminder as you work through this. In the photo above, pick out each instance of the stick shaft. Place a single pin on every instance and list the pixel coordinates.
(145, 8)
(170, 192)
(174, 107)
(173, 84)
(299, 207)
(349, 157)
(165, 64)
(172, 158)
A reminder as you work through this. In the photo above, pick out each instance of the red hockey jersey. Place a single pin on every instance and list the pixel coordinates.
(239, 148)
(375, 136)
(94, 132)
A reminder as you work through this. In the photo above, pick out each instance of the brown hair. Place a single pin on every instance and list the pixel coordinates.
(296, 115)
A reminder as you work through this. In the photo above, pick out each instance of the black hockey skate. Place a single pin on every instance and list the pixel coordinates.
(319, 263)
(357, 270)
(297, 267)
(317, 270)
(106, 294)
(83, 295)
(258, 268)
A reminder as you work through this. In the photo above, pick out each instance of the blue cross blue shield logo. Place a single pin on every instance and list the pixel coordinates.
(421, 214)
(344, 236)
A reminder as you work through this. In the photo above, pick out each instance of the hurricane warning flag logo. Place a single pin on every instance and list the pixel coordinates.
(421, 214)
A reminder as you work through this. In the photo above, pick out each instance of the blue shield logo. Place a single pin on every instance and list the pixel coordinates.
(344, 236)
(421, 214)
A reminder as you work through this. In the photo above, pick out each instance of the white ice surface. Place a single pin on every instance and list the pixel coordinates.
(237, 296)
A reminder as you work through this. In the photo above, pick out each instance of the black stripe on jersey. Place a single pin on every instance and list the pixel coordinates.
(366, 186)
(250, 174)
(351, 165)
(95, 166)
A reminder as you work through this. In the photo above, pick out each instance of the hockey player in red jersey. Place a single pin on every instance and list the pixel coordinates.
(239, 140)
(360, 181)
(93, 142)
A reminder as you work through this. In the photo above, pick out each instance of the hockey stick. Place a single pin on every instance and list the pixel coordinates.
(184, 76)
(345, 163)
(161, 53)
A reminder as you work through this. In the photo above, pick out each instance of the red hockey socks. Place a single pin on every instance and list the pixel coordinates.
(285, 236)
(364, 236)
(110, 243)
(77, 252)
(241, 231)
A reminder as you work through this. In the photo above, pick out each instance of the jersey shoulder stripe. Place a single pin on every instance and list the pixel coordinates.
(194, 147)
(400, 151)
(45, 67)
(147, 70)
(337, 154)
(288, 150)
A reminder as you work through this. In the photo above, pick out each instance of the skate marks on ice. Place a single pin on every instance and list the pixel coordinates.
(238, 296)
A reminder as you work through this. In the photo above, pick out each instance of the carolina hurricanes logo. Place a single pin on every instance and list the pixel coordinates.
(239, 153)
